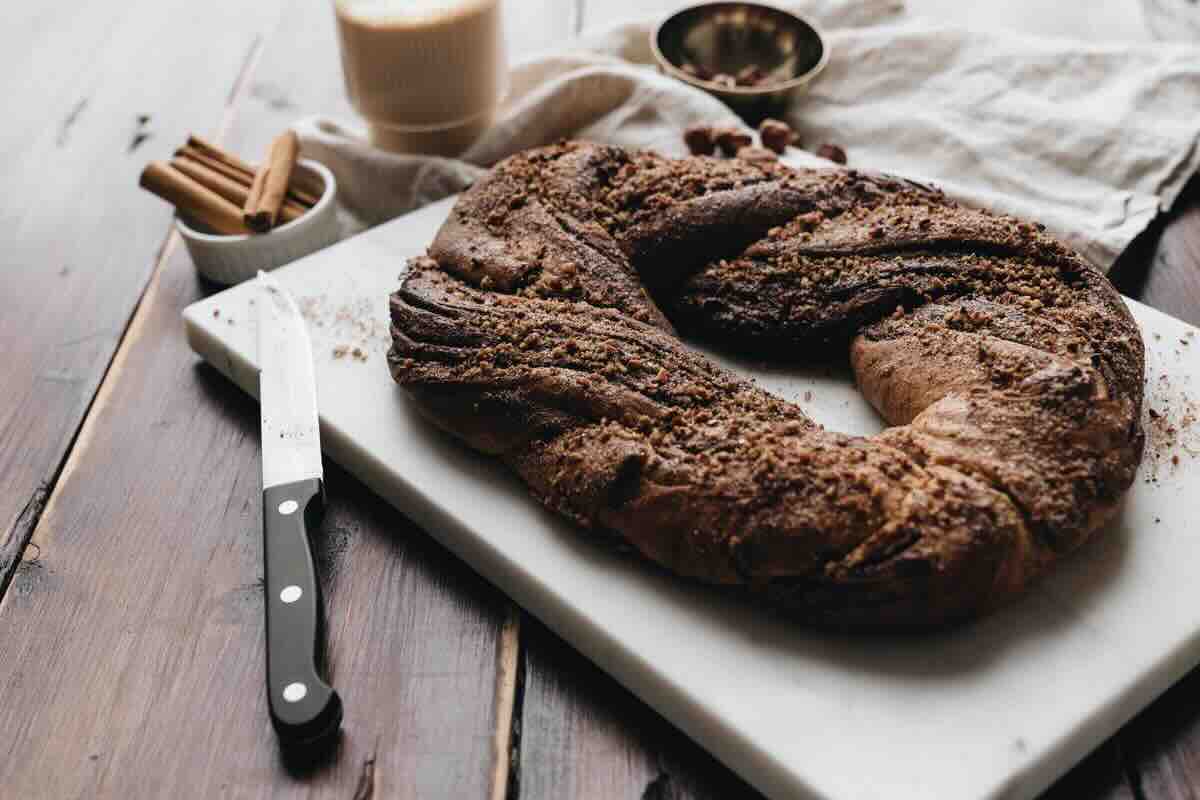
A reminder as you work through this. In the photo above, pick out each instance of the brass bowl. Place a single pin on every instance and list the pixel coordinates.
(726, 38)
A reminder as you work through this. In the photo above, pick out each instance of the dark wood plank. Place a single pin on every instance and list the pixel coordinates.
(425, 653)
(133, 657)
(584, 735)
(132, 663)
(91, 91)
(1103, 775)
(1163, 743)
(1162, 266)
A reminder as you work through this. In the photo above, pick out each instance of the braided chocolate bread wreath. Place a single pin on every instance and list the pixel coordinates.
(541, 328)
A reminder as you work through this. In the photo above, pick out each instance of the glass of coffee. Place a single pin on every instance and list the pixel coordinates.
(428, 75)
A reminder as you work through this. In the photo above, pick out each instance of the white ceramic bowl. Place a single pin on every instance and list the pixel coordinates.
(233, 259)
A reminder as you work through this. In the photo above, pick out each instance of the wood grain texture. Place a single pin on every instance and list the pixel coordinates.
(171, 657)
(1103, 775)
(133, 632)
(133, 660)
(90, 93)
(1162, 266)
(584, 735)
(1163, 743)
(505, 763)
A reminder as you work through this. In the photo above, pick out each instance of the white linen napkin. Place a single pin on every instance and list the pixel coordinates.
(1091, 139)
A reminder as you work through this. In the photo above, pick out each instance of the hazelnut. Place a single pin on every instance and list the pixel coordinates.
(832, 152)
(775, 134)
(700, 140)
(730, 140)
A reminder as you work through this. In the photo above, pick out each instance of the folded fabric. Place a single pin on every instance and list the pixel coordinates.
(1091, 139)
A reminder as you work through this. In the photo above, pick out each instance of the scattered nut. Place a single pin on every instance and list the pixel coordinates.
(832, 152)
(700, 140)
(775, 134)
(730, 140)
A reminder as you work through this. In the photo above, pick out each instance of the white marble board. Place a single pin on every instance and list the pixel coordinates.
(999, 708)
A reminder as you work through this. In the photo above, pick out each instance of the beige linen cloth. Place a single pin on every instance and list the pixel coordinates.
(1091, 139)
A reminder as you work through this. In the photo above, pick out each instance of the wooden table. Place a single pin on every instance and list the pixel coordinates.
(131, 624)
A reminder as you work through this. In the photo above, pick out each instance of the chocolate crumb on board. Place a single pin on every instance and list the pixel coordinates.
(1170, 425)
(832, 152)
(344, 325)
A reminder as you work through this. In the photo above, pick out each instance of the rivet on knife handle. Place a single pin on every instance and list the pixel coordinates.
(304, 708)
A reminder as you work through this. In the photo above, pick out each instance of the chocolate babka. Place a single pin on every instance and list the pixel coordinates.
(542, 328)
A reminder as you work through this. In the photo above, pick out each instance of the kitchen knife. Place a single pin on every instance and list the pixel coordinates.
(304, 708)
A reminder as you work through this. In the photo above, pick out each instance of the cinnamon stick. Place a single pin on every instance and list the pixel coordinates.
(265, 200)
(220, 167)
(253, 199)
(227, 187)
(210, 150)
(230, 165)
(193, 199)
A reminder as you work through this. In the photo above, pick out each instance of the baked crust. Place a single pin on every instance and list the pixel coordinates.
(541, 328)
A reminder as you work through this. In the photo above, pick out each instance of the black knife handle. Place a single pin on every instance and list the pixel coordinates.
(304, 708)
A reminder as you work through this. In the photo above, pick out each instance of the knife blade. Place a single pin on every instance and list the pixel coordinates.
(304, 708)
